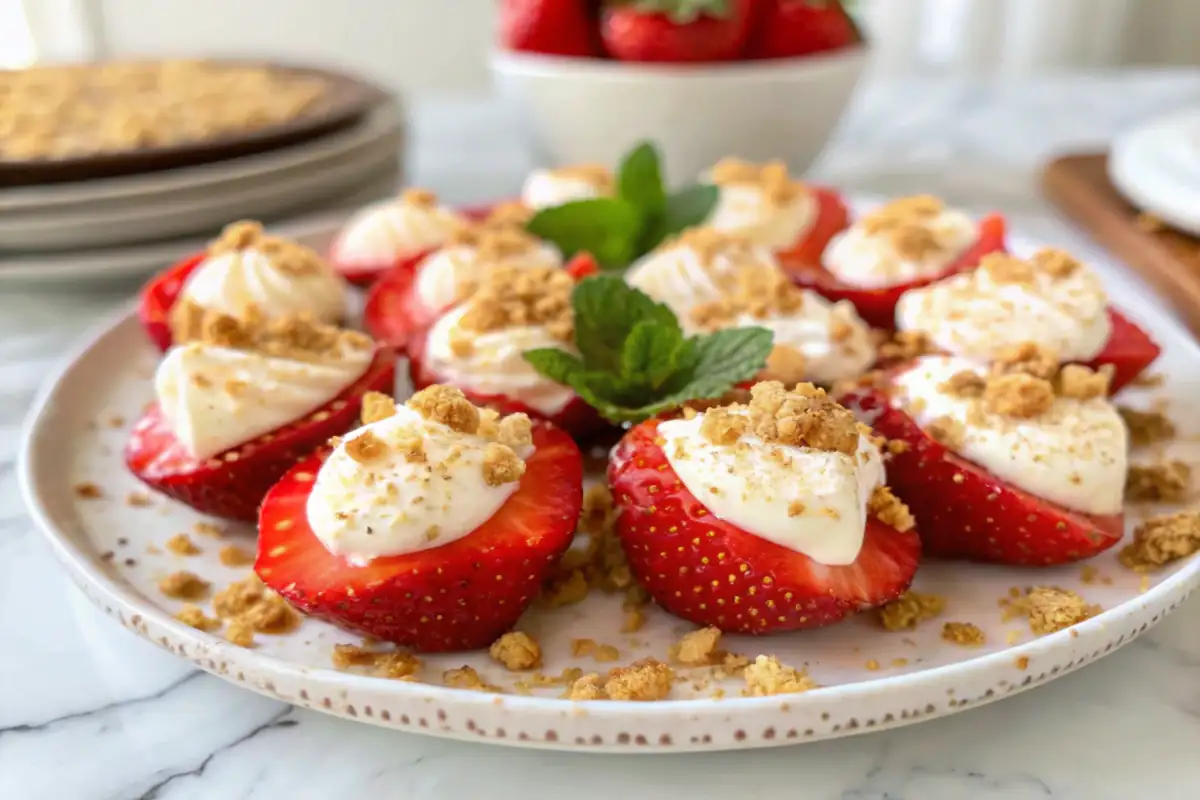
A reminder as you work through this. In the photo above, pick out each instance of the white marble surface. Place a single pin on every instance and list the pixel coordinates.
(88, 711)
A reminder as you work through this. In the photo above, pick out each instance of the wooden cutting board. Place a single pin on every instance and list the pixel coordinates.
(1169, 260)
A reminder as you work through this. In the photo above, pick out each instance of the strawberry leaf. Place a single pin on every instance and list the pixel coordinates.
(634, 359)
(681, 12)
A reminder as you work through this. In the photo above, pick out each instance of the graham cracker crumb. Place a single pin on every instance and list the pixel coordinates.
(447, 405)
(1052, 609)
(366, 447)
(1161, 540)
(596, 175)
(755, 289)
(771, 178)
(184, 585)
(240, 632)
(1081, 383)
(182, 545)
(299, 337)
(646, 680)
(209, 529)
(501, 465)
(466, 677)
(906, 346)
(802, 417)
(137, 500)
(634, 621)
(890, 510)
(377, 406)
(1146, 427)
(947, 431)
(421, 198)
(909, 609)
(250, 602)
(966, 384)
(785, 364)
(233, 556)
(1168, 482)
(88, 491)
(587, 687)
(767, 676)
(1149, 380)
(1027, 358)
(698, 648)
(905, 222)
(384, 664)
(963, 633)
(1054, 262)
(196, 618)
(1018, 395)
(516, 651)
(509, 296)
(290, 258)
(1022, 663)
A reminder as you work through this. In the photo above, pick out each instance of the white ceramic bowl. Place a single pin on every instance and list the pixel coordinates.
(580, 110)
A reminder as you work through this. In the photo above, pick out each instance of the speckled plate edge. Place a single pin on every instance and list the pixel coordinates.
(672, 726)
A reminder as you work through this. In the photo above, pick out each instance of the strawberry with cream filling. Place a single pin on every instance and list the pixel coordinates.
(903, 245)
(765, 517)
(479, 346)
(432, 526)
(396, 233)
(238, 405)
(545, 188)
(403, 303)
(1021, 463)
(1051, 300)
(765, 205)
(243, 271)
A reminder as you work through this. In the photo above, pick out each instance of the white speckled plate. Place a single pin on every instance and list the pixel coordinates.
(872, 679)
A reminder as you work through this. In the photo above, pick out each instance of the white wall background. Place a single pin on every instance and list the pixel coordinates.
(423, 46)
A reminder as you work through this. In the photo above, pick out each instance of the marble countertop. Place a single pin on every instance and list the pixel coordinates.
(88, 712)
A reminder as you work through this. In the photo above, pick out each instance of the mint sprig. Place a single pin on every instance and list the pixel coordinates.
(618, 230)
(635, 361)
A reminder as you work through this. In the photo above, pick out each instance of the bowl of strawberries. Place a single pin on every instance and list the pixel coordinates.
(704, 78)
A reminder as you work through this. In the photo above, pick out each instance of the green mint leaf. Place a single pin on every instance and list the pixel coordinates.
(640, 183)
(720, 361)
(557, 365)
(606, 227)
(686, 208)
(650, 354)
(606, 311)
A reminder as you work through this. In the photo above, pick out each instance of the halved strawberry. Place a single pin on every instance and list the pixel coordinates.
(460, 596)
(832, 218)
(710, 572)
(393, 313)
(576, 417)
(963, 511)
(878, 306)
(233, 483)
(158, 296)
(1129, 350)
(361, 273)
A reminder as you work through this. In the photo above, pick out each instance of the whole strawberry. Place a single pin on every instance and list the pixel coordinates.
(791, 28)
(552, 27)
(680, 31)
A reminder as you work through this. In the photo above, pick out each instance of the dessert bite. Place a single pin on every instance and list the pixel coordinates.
(764, 204)
(1051, 300)
(432, 526)
(244, 271)
(479, 346)
(238, 401)
(712, 281)
(545, 188)
(764, 517)
(903, 245)
(1021, 463)
(403, 303)
(393, 234)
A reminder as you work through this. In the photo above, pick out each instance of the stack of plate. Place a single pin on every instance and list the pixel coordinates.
(133, 224)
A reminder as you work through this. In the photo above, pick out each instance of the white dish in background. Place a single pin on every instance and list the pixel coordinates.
(317, 223)
(381, 122)
(158, 218)
(68, 440)
(1156, 166)
(581, 110)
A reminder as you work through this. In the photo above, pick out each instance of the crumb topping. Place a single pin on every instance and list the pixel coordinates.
(910, 608)
(1146, 427)
(184, 585)
(1007, 268)
(766, 676)
(890, 510)
(906, 346)
(802, 417)
(711, 245)
(499, 238)
(1029, 358)
(698, 648)
(509, 296)
(757, 290)
(516, 651)
(771, 178)
(376, 406)
(963, 633)
(785, 364)
(596, 175)
(420, 198)
(285, 255)
(1161, 540)
(248, 605)
(1051, 609)
(1167, 482)
(195, 617)
(906, 222)
(182, 545)
(646, 680)
(1018, 395)
(465, 677)
(295, 336)
(392, 664)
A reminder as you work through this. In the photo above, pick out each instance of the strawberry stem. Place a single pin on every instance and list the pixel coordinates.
(681, 12)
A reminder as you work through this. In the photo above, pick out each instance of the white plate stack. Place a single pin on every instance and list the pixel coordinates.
(129, 226)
